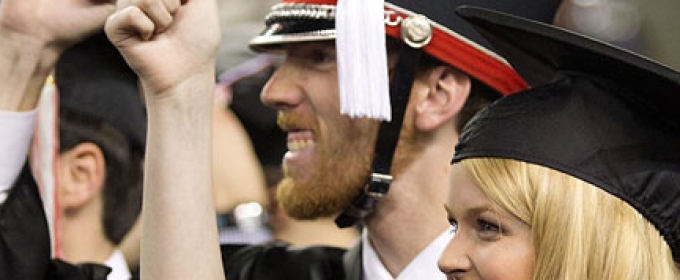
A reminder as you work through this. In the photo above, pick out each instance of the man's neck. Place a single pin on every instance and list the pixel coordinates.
(83, 239)
(412, 214)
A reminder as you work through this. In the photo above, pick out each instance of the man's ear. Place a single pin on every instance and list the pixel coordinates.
(443, 93)
(82, 172)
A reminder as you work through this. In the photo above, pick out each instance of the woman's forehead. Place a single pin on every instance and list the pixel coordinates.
(464, 195)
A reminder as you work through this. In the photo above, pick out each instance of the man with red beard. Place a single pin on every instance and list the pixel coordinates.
(340, 159)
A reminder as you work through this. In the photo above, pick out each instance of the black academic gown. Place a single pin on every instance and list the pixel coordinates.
(278, 260)
(25, 241)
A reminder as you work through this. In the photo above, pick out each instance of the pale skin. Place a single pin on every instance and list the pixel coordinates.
(490, 243)
(171, 45)
(33, 33)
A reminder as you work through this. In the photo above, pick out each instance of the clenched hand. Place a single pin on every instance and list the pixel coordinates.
(166, 41)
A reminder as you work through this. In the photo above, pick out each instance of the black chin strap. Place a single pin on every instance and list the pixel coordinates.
(379, 183)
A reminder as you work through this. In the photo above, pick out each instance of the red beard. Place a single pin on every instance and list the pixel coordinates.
(339, 169)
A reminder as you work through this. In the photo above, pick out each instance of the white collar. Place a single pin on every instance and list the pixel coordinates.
(423, 266)
(119, 268)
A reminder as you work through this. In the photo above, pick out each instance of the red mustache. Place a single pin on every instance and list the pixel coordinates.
(288, 122)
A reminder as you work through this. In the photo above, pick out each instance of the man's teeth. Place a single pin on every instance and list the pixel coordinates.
(297, 145)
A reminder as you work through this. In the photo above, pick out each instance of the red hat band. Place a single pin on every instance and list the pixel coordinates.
(443, 43)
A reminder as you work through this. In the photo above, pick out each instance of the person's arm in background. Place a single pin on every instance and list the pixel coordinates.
(172, 48)
(237, 174)
(33, 33)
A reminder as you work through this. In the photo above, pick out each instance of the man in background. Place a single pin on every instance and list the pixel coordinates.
(102, 136)
(33, 35)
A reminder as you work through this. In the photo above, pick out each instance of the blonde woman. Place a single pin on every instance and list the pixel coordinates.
(570, 229)
(575, 179)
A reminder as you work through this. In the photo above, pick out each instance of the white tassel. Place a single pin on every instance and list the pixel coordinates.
(43, 162)
(362, 59)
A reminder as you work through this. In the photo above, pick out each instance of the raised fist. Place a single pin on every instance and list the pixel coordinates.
(166, 41)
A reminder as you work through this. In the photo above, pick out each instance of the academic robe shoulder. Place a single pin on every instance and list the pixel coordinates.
(279, 260)
(25, 241)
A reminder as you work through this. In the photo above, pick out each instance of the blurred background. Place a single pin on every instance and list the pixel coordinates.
(651, 28)
(646, 27)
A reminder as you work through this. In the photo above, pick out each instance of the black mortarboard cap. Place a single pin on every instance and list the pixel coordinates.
(599, 113)
(95, 81)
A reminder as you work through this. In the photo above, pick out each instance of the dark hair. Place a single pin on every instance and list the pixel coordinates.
(480, 96)
(122, 192)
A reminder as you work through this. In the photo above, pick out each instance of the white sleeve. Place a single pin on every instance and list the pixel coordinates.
(16, 130)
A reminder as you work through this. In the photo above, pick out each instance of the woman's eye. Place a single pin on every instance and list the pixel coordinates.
(488, 229)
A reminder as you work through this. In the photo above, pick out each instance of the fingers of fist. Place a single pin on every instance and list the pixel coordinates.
(143, 17)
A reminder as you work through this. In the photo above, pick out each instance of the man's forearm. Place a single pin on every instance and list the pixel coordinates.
(24, 66)
(179, 239)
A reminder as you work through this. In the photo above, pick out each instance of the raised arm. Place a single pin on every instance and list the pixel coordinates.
(33, 33)
(172, 46)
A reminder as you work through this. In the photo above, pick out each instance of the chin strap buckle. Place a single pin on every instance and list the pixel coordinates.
(364, 205)
(378, 186)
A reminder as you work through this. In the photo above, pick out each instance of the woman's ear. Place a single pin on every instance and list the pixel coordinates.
(443, 94)
(81, 176)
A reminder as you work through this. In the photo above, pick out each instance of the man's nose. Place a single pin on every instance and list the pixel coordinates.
(283, 91)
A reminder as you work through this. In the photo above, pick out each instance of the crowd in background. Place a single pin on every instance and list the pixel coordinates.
(247, 142)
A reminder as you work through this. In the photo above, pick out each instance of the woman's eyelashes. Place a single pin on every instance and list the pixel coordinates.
(453, 223)
(488, 229)
(485, 227)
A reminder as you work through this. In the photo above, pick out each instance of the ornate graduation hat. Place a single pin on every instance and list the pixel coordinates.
(95, 81)
(446, 36)
(357, 26)
(609, 116)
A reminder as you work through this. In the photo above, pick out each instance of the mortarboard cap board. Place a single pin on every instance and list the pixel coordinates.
(94, 80)
(599, 113)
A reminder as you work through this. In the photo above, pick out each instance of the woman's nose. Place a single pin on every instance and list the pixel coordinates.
(455, 259)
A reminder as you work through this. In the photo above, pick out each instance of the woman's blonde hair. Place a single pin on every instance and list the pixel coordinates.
(579, 231)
